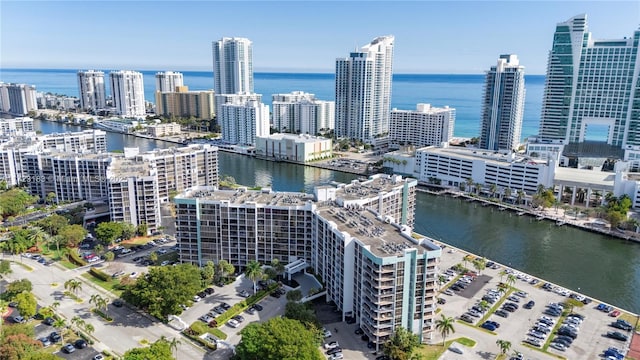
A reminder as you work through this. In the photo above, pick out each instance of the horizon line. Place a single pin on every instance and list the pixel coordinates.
(272, 71)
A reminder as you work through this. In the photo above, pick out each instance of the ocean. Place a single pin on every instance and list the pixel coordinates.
(462, 92)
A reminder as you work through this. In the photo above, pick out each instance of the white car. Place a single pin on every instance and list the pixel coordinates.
(326, 333)
(233, 323)
(337, 356)
(448, 292)
(133, 275)
(331, 345)
(196, 298)
(456, 350)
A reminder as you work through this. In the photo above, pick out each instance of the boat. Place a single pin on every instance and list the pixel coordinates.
(520, 213)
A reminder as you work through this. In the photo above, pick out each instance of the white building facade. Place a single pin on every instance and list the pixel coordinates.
(296, 148)
(242, 118)
(233, 66)
(503, 105)
(363, 91)
(301, 113)
(167, 81)
(424, 126)
(17, 99)
(127, 90)
(93, 95)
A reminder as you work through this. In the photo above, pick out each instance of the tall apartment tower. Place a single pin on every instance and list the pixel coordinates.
(591, 82)
(232, 66)
(301, 113)
(363, 91)
(92, 90)
(167, 81)
(127, 89)
(17, 99)
(503, 105)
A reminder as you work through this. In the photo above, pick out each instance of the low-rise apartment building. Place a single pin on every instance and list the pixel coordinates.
(16, 126)
(159, 130)
(294, 148)
(425, 126)
(94, 141)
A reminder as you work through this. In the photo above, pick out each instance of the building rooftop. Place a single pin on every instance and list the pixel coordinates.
(584, 178)
(123, 168)
(383, 238)
(375, 185)
(489, 156)
(302, 138)
(243, 195)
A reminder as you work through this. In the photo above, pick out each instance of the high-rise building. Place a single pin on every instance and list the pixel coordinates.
(17, 99)
(92, 90)
(357, 237)
(127, 89)
(232, 66)
(242, 118)
(591, 83)
(363, 91)
(301, 113)
(181, 102)
(424, 126)
(503, 105)
(167, 81)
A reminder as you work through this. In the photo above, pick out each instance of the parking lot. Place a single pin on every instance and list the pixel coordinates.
(590, 342)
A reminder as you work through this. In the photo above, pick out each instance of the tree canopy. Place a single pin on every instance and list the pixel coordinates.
(159, 350)
(400, 346)
(73, 234)
(27, 304)
(164, 288)
(15, 201)
(16, 287)
(108, 232)
(278, 338)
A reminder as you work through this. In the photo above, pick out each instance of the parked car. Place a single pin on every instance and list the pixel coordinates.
(331, 345)
(18, 320)
(69, 348)
(45, 341)
(244, 293)
(614, 313)
(118, 302)
(196, 298)
(558, 346)
(502, 313)
(488, 326)
(55, 337)
(80, 344)
(334, 350)
(326, 333)
(258, 307)
(48, 321)
(233, 323)
(621, 324)
(616, 335)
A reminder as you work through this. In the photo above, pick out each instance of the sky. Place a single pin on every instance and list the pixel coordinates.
(440, 37)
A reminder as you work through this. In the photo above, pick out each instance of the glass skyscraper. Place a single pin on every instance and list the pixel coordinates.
(591, 83)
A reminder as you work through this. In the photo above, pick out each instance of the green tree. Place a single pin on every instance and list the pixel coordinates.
(254, 273)
(50, 198)
(142, 229)
(270, 273)
(164, 288)
(445, 326)
(89, 328)
(224, 268)
(109, 256)
(98, 249)
(153, 257)
(278, 338)
(208, 272)
(5, 267)
(302, 312)
(480, 264)
(73, 234)
(108, 232)
(99, 302)
(37, 236)
(128, 230)
(53, 223)
(504, 346)
(73, 285)
(19, 347)
(159, 350)
(400, 346)
(278, 266)
(60, 324)
(16, 287)
(27, 304)
(511, 280)
(502, 274)
(294, 295)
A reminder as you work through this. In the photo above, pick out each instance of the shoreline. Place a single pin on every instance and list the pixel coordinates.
(546, 214)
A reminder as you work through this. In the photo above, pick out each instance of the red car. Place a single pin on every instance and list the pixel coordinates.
(614, 313)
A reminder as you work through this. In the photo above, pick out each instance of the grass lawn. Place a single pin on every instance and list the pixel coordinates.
(27, 267)
(107, 285)
(170, 256)
(67, 264)
(138, 240)
(433, 352)
(629, 318)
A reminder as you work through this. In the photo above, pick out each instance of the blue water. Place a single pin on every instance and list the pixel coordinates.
(462, 92)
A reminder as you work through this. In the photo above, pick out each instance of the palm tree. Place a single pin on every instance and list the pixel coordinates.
(478, 187)
(502, 274)
(576, 212)
(59, 323)
(254, 272)
(99, 302)
(484, 305)
(469, 182)
(520, 196)
(73, 285)
(507, 193)
(494, 190)
(278, 266)
(78, 323)
(55, 305)
(445, 326)
(173, 345)
(89, 328)
(511, 280)
(504, 346)
(37, 236)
